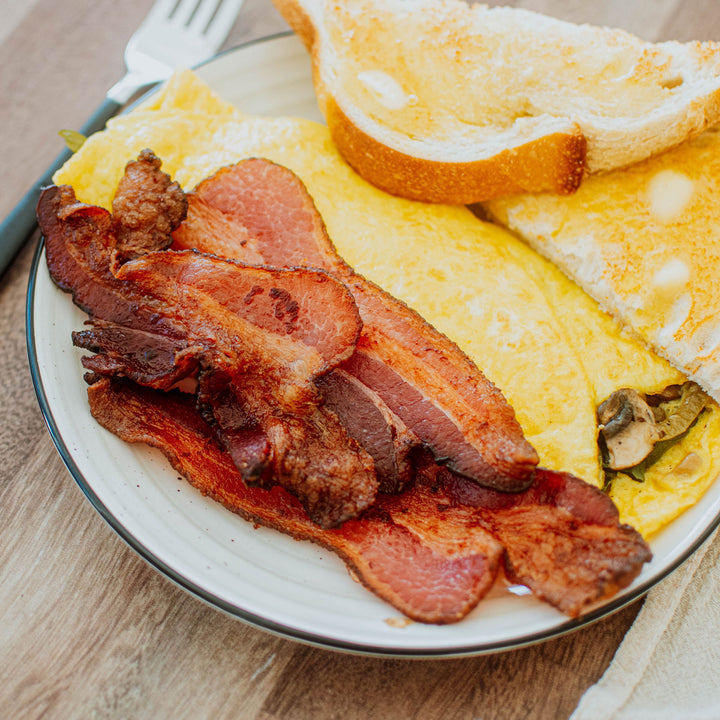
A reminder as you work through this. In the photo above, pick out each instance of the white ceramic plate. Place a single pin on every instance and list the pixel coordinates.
(258, 575)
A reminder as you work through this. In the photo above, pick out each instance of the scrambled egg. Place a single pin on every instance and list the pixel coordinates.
(538, 337)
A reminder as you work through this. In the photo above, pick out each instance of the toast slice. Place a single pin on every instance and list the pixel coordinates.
(439, 101)
(645, 243)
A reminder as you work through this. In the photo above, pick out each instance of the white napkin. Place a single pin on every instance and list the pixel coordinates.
(668, 665)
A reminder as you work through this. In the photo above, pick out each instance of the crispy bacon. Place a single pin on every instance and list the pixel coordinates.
(422, 377)
(147, 358)
(562, 537)
(431, 551)
(287, 379)
(146, 209)
(417, 575)
(81, 243)
(256, 338)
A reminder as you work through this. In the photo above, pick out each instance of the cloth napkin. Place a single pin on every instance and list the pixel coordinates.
(668, 665)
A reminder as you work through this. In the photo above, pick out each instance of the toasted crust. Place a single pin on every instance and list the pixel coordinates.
(553, 162)
(298, 19)
(579, 99)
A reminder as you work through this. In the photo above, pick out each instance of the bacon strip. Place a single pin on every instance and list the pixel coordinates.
(415, 574)
(144, 357)
(256, 338)
(374, 426)
(437, 392)
(298, 311)
(562, 537)
(431, 551)
(268, 364)
(79, 246)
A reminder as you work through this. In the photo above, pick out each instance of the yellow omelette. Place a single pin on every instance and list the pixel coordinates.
(535, 334)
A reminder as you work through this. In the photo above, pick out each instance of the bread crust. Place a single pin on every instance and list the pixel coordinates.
(298, 20)
(552, 163)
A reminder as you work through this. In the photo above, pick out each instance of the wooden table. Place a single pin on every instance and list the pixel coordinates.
(87, 628)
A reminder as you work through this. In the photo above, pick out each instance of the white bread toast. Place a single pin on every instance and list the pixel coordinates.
(645, 243)
(439, 101)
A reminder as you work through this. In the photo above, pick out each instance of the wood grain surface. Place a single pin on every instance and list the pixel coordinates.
(87, 628)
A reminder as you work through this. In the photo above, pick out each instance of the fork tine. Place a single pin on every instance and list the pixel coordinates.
(184, 12)
(161, 10)
(223, 21)
(204, 15)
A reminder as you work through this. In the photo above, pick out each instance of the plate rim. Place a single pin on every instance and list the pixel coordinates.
(257, 620)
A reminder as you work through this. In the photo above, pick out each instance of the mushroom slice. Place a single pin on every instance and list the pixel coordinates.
(692, 402)
(627, 427)
(631, 425)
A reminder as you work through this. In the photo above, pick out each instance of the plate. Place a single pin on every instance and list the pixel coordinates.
(260, 576)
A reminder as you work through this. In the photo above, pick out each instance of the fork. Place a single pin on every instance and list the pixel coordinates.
(174, 33)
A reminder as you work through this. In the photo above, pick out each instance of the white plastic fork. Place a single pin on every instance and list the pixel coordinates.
(175, 33)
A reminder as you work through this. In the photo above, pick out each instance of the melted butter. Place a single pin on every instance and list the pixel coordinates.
(676, 315)
(689, 465)
(672, 277)
(669, 193)
(386, 89)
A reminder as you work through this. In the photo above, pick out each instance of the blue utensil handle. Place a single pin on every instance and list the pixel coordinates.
(18, 226)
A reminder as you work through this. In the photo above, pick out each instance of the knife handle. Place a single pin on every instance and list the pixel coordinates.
(18, 226)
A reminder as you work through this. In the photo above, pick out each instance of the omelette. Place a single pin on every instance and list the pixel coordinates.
(545, 343)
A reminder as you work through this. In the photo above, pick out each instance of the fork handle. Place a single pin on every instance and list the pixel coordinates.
(18, 226)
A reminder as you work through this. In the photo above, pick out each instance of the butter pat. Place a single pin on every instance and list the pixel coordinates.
(386, 89)
(670, 303)
(672, 277)
(669, 193)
